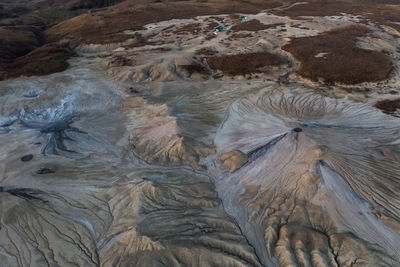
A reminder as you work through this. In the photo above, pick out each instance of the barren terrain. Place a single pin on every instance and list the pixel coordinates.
(200, 133)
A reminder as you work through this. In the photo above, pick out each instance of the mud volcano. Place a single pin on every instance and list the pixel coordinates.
(319, 177)
(137, 135)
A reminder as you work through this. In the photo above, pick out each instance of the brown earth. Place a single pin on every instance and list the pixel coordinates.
(15, 43)
(381, 12)
(206, 51)
(86, 4)
(107, 25)
(44, 60)
(239, 36)
(119, 61)
(212, 26)
(22, 23)
(190, 28)
(343, 62)
(388, 106)
(244, 63)
(253, 26)
(217, 18)
(195, 68)
(141, 41)
(319, 8)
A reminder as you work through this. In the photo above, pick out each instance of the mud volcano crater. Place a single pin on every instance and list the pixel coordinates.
(55, 128)
(312, 162)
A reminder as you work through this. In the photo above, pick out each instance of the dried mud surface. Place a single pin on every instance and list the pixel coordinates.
(160, 142)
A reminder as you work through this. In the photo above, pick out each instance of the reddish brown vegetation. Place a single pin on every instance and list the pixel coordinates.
(190, 28)
(344, 62)
(217, 18)
(381, 12)
(395, 26)
(244, 63)
(388, 106)
(41, 61)
(15, 42)
(212, 26)
(195, 68)
(210, 36)
(254, 25)
(319, 8)
(239, 36)
(106, 26)
(118, 61)
(143, 41)
(83, 4)
(206, 51)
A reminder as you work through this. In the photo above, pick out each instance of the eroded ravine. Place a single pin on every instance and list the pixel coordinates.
(184, 147)
(80, 176)
(91, 199)
(286, 183)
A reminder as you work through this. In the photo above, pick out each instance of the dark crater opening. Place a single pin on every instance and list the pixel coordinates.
(27, 158)
(45, 171)
(57, 132)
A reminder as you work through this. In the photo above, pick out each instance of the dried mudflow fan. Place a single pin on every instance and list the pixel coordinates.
(311, 180)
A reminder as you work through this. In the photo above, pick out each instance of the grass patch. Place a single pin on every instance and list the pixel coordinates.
(388, 106)
(105, 26)
(341, 61)
(190, 28)
(254, 25)
(195, 68)
(15, 43)
(206, 51)
(239, 36)
(242, 64)
(44, 60)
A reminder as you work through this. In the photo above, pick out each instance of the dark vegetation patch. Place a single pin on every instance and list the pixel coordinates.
(206, 51)
(239, 36)
(22, 23)
(195, 68)
(88, 4)
(119, 61)
(44, 60)
(210, 36)
(141, 41)
(379, 11)
(160, 49)
(190, 28)
(318, 8)
(395, 26)
(169, 28)
(212, 26)
(388, 106)
(145, 40)
(253, 26)
(344, 62)
(244, 63)
(303, 28)
(15, 43)
(105, 26)
(217, 18)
